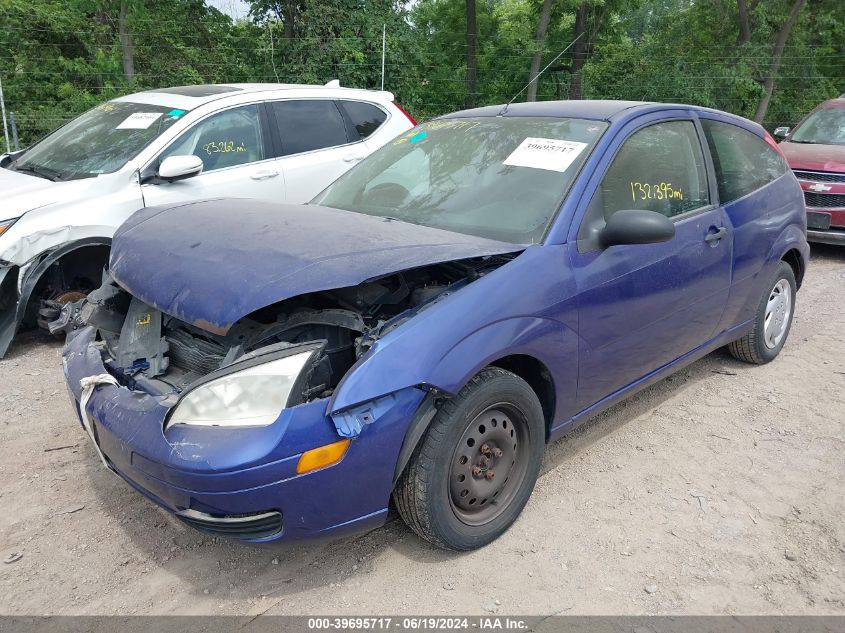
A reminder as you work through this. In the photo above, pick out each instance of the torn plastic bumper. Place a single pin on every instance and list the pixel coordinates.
(8, 308)
(230, 472)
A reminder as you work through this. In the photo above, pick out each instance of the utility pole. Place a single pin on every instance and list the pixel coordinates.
(383, 51)
(14, 127)
(5, 126)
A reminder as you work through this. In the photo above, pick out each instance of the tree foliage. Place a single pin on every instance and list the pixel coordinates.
(61, 57)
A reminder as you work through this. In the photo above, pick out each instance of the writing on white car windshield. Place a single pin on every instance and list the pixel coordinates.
(100, 141)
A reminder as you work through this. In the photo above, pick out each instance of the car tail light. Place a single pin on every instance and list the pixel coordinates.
(773, 144)
(405, 112)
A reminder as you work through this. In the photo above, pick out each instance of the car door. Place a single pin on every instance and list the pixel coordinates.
(235, 149)
(317, 145)
(642, 306)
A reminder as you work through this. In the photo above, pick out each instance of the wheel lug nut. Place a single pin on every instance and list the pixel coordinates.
(483, 462)
(497, 452)
(485, 449)
(489, 474)
(476, 471)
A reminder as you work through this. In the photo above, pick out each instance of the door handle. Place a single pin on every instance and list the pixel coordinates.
(352, 158)
(716, 235)
(263, 174)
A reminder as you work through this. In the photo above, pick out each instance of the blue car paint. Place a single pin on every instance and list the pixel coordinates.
(222, 249)
(603, 323)
(233, 471)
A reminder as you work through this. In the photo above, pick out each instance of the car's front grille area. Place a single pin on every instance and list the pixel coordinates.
(824, 200)
(193, 353)
(819, 176)
(245, 526)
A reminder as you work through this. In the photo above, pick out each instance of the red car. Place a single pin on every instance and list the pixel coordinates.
(815, 149)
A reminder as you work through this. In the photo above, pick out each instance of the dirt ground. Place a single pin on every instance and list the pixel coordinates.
(720, 490)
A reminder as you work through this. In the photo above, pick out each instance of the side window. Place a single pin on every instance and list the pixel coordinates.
(659, 168)
(366, 118)
(227, 139)
(744, 162)
(306, 125)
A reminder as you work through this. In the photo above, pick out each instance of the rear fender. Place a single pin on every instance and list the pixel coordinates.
(792, 237)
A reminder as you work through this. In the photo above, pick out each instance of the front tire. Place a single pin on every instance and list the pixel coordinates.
(474, 469)
(772, 321)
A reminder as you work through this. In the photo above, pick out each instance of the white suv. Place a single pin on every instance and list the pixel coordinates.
(63, 198)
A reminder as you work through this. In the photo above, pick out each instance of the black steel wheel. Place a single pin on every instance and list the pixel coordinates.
(475, 467)
(489, 464)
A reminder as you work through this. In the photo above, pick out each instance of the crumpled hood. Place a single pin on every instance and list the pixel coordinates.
(213, 262)
(814, 156)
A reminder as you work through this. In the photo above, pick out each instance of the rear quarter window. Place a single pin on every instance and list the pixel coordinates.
(744, 162)
(306, 125)
(366, 118)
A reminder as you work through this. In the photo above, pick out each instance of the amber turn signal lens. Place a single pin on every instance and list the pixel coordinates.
(321, 457)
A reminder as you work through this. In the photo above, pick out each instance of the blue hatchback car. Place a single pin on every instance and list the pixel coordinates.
(421, 330)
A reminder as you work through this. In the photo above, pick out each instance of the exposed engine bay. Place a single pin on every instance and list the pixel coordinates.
(156, 353)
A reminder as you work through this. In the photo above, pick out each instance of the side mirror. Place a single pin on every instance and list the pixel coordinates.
(636, 226)
(781, 133)
(179, 167)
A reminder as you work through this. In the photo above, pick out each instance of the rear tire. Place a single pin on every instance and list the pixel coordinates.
(772, 321)
(474, 469)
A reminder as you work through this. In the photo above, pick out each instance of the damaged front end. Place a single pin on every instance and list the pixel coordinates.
(322, 334)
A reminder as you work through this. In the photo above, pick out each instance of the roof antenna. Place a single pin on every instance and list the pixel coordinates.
(537, 76)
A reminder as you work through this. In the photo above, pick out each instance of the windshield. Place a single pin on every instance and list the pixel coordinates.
(502, 178)
(825, 126)
(100, 141)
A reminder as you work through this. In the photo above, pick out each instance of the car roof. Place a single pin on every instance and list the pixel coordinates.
(600, 110)
(838, 102)
(190, 97)
(596, 110)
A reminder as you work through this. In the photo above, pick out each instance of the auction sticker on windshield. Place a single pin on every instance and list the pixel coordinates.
(545, 153)
(139, 121)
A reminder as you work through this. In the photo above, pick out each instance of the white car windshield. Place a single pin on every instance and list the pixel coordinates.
(100, 141)
(502, 178)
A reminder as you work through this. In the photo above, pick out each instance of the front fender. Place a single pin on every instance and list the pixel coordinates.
(524, 307)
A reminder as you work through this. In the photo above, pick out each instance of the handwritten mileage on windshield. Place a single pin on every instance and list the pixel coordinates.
(656, 191)
(223, 147)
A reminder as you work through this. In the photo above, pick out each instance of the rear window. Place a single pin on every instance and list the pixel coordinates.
(366, 118)
(307, 125)
(744, 162)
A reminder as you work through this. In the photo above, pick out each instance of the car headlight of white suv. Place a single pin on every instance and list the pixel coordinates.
(5, 225)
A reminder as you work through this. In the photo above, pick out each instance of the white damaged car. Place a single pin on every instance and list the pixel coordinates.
(62, 199)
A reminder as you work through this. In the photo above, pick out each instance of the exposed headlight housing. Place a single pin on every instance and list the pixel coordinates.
(250, 397)
(5, 225)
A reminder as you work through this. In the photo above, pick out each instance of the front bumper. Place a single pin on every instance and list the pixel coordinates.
(825, 225)
(213, 477)
(830, 236)
(8, 307)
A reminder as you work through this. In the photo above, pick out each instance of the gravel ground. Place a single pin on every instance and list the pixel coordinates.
(720, 490)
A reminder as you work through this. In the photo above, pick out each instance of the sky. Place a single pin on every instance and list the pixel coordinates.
(234, 8)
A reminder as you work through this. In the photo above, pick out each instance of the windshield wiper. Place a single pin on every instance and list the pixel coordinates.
(41, 172)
